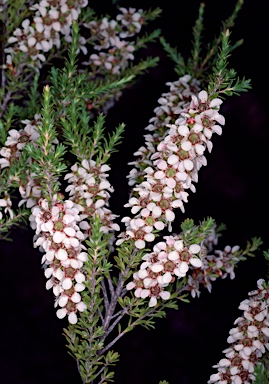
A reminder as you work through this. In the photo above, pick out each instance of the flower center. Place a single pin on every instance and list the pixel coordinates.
(46, 216)
(206, 122)
(139, 283)
(39, 36)
(55, 246)
(185, 256)
(247, 342)
(157, 188)
(203, 106)
(70, 3)
(24, 138)
(89, 211)
(236, 361)
(244, 328)
(169, 266)
(155, 291)
(71, 307)
(58, 225)
(47, 20)
(253, 358)
(153, 275)
(139, 234)
(54, 3)
(170, 172)
(178, 188)
(55, 264)
(225, 376)
(262, 338)
(80, 181)
(144, 202)
(254, 311)
(105, 222)
(194, 138)
(244, 375)
(93, 189)
(150, 220)
(154, 258)
(62, 19)
(164, 204)
(183, 155)
(69, 292)
(70, 272)
(71, 253)
(32, 51)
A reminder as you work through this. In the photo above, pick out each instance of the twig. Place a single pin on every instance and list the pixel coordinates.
(112, 326)
(113, 303)
(101, 315)
(111, 288)
(123, 293)
(106, 302)
(116, 295)
(116, 314)
(101, 370)
(151, 310)
(5, 102)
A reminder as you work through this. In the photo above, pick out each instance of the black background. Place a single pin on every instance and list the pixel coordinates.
(232, 189)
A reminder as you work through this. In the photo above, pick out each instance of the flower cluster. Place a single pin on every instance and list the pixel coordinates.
(114, 49)
(176, 162)
(248, 340)
(17, 139)
(51, 19)
(171, 104)
(30, 189)
(58, 233)
(107, 37)
(61, 227)
(170, 258)
(90, 189)
(220, 264)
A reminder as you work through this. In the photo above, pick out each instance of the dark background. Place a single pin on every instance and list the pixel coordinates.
(232, 189)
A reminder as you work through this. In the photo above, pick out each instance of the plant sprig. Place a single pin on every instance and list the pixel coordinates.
(224, 81)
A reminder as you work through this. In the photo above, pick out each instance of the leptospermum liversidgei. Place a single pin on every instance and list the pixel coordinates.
(54, 164)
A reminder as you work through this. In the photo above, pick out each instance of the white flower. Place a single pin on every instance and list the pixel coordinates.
(131, 20)
(6, 202)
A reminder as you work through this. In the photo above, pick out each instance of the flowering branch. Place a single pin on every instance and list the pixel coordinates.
(247, 340)
(54, 157)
